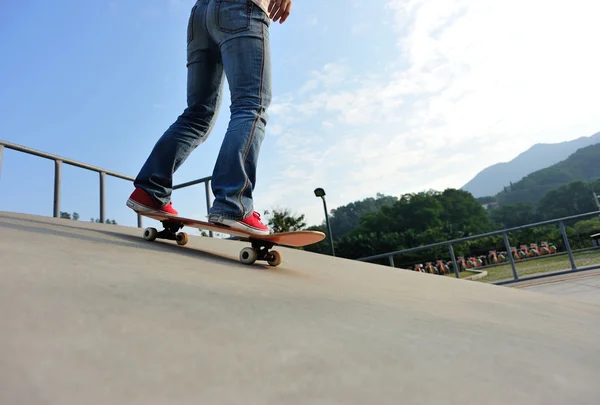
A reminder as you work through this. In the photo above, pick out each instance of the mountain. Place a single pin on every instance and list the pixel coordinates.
(583, 165)
(493, 179)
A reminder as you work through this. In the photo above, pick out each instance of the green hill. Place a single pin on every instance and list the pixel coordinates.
(490, 180)
(584, 165)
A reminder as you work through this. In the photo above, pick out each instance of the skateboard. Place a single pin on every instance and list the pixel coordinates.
(261, 245)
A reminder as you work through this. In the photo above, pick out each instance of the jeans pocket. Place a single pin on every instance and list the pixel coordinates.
(233, 16)
(190, 27)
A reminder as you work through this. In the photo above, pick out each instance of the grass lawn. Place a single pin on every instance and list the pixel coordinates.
(542, 265)
(463, 274)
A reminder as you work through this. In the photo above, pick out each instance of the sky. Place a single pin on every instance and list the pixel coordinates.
(389, 96)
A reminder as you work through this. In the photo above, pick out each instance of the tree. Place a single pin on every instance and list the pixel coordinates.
(75, 217)
(570, 199)
(107, 221)
(513, 215)
(284, 221)
(347, 217)
(66, 215)
(357, 244)
(588, 227)
(414, 220)
(414, 216)
(462, 214)
(486, 199)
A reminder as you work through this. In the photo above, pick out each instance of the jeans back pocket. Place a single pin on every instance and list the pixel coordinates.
(190, 28)
(233, 16)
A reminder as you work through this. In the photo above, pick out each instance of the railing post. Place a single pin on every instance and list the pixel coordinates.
(563, 231)
(509, 252)
(57, 177)
(102, 198)
(391, 260)
(208, 202)
(453, 257)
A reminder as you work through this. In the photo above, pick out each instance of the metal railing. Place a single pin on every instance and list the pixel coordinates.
(504, 233)
(58, 161)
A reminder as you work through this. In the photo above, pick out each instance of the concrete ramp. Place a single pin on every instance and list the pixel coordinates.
(93, 314)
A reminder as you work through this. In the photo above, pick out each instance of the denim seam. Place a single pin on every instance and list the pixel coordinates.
(260, 92)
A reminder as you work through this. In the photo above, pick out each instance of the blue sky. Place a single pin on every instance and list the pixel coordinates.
(387, 96)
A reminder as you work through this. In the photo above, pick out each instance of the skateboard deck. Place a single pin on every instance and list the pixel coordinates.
(261, 244)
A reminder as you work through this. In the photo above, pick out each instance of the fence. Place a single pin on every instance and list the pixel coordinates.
(449, 244)
(58, 161)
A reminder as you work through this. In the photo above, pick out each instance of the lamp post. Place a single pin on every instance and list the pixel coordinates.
(319, 192)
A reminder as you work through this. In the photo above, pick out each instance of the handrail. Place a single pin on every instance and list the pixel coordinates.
(504, 233)
(483, 235)
(71, 162)
(59, 160)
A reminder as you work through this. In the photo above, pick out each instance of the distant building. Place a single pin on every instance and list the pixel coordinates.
(490, 205)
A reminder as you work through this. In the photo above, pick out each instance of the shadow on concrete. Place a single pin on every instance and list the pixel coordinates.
(126, 240)
(132, 241)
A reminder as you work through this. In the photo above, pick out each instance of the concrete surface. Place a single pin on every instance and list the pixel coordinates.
(580, 287)
(93, 314)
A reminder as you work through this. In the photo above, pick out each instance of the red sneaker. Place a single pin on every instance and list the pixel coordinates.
(250, 224)
(140, 201)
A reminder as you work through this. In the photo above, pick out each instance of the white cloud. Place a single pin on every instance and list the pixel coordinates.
(475, 82)
(330, 76)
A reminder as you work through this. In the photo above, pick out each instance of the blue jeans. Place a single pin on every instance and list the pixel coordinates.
(224, 38)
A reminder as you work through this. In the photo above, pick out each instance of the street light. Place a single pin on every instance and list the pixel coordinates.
(319, 192)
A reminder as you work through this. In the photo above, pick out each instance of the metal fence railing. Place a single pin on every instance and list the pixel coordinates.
(58, 161)
(504, 232)
(102, 173)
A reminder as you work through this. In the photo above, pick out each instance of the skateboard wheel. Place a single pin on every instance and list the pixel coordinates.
(182, 238)
(248, 255)
(275, 258)
(150, 234)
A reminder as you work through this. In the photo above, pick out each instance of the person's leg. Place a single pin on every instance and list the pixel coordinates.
(242, 30)
(204, 84)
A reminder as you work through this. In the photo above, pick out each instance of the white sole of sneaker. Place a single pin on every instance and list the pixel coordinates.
(241, 227)
(142, 209)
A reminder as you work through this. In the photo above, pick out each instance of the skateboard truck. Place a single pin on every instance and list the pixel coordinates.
(260, 249)
(170, 232)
